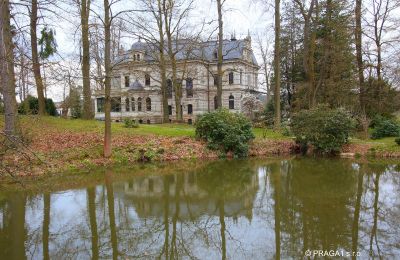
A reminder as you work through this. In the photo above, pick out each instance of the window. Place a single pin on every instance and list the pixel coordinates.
(140, 121)
(116, 82)
(241, 76)
(116, 104)
(190, 121)
(231, 102)
(138, 57)
(248, 80)
(190, 109)
(169, 88)
(148, 104)
(147, 80)
(170, 110)
(215, 55)
(100, 105)
(189, 87)
(215, 80)
(127, 106)
(139, 104)
(230, 78)
(126, 81)
(215, 102)
(148, 121)
(133, 104)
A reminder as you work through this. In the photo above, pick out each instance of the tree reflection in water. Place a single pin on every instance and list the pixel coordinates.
(220, 210)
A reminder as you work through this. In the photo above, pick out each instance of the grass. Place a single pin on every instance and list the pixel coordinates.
(170, 130)
(385, 144)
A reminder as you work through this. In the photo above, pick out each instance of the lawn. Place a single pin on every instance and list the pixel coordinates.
(169, 130)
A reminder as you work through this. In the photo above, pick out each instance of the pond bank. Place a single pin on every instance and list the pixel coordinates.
(56, 145)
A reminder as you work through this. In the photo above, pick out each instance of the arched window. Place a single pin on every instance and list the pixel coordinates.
(133, 104)
(148, 104)
(215, 102)
(169, 88)
(230, 78)
(231, 102)
(147, 80)
(189, 87)
(127, 106)
(190, 109)
(139, 104)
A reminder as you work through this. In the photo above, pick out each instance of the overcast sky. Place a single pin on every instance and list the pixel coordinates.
(240, 17)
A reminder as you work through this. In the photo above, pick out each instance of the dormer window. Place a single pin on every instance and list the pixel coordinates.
(138, 57)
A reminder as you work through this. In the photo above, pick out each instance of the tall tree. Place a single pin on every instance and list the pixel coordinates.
(220, 57)
(87, 102)
(33, 12)
(107, 80)
(277, 71)
(360, 65)
(309, 36)
(7, 75)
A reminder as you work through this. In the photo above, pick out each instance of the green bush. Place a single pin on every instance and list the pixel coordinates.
(225, 131)
(397, 140)
(31, 106)
(324, 128)
(130, 123)
(386, 128)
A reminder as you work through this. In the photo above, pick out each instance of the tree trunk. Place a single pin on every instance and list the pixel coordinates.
(35, 58)
(7, 76)
(360, 65)
(107, 81)
(87, 102)
(220, 58)
(176, 85)
(277, 71)
(162, 65)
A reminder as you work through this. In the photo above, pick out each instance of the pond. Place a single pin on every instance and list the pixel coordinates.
(235, 209)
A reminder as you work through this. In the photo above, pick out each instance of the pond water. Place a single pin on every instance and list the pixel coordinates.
(245, 209)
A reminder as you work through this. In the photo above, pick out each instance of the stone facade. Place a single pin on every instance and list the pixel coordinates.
(136, 91)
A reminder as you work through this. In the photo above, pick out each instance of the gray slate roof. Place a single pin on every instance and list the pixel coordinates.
(231, 50)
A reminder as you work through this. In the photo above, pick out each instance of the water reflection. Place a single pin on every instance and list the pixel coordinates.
(222, 210)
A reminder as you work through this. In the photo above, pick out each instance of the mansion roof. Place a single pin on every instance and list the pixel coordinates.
(189, 50)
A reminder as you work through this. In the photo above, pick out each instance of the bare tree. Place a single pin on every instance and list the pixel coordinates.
(358, 42)
(7, 79)
(277, 71)
(87, 103)
(33, 13)
(220, 58)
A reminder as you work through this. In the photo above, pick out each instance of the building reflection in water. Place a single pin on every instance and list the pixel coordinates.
(223, 210)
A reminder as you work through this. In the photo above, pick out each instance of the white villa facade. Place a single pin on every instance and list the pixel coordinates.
(136, 91)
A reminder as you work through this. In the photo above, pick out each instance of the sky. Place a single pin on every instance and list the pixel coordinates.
(240, 17)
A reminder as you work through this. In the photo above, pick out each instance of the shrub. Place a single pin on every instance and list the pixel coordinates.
(130, 123)
(225, 131)
(324, 128)
(397, 140)
(31, 106)
(386, 128)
